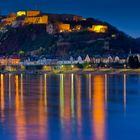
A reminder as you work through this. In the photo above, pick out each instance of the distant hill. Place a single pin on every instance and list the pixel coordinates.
(33, 39)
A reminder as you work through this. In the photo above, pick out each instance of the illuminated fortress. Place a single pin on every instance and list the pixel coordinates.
(62, 22)
(26, 17)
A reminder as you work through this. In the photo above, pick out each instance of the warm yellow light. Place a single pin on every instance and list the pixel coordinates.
(99, 28)
(72, 66)
(99, 107)
(64, 27)
(21, 13)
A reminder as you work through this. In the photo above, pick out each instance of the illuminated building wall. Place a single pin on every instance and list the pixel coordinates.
(33, 13)
(36, 20)
(28, 13)
(13, 61)
(77, 28)
(64, 27)
(99, 28)
(31, 17)
(9, 20)
(9, 61)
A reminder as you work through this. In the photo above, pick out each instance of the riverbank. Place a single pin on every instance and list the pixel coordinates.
(76, 71)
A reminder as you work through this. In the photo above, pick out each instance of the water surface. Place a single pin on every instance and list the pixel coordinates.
(69, 107)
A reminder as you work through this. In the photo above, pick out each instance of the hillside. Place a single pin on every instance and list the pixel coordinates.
(138, 40)
(33, 39)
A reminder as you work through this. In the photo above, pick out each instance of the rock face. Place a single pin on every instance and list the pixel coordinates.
(34, 38)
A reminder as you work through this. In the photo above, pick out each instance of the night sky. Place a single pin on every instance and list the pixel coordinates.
(124, 14)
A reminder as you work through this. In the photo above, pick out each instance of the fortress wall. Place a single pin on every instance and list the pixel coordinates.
(33, 13)
(36, 20)
(99, 28)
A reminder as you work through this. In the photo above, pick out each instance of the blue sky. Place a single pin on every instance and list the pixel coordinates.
(124, 14)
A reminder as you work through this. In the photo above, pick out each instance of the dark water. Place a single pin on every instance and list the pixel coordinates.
(69, 107)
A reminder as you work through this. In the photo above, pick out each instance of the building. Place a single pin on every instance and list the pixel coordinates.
(36, 20)
(87, 59)
(26, 17)
(8, 20)
(99, 28)
(30, 13)
(77, 28)
(33, 13)
(9, 61)
(62, 27)
(21, 13)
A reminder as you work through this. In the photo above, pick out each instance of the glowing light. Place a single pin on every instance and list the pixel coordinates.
(21, 13)
(99, 28)
(72, 66)
(72, 94)
(64, 27)
(89, 83)
(45, 89)
(10, 89)
(42, 116)
(33, 13)
(98, 108)
(20, 113)
(124, 92)
(106, 90)
(2, 101)
(78, 106)
(62, 96)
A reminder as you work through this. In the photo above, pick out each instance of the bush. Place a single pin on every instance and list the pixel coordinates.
(133, 62)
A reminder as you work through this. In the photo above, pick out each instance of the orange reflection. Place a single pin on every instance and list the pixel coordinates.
(21, 86)
(37, 108)
(61, 97)
(72, 95)
(98, 108)
(66, 101)
(106, 84)
(2, 96)
(20, 114)
(78, 100)
(67, 104)
(67, 107)
(89, 89)
(42, 109)
(9, 90)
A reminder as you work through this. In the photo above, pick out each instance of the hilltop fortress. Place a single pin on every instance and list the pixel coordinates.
(55, 23)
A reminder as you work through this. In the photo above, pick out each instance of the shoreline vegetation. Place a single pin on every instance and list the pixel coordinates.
(75, 71)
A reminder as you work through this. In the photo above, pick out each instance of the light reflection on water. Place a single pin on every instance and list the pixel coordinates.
(64, 106)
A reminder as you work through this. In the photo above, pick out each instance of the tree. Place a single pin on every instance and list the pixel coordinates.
(133, 62)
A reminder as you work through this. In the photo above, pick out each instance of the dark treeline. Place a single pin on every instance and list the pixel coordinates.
(134, 62)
